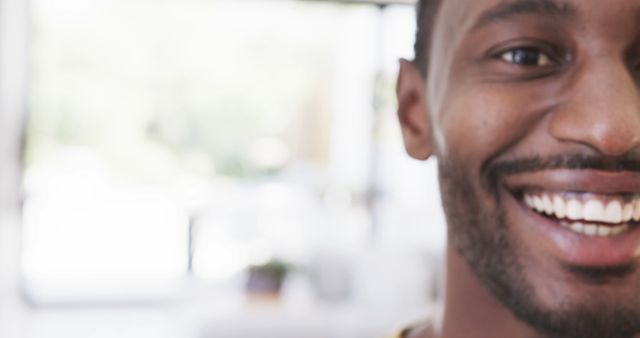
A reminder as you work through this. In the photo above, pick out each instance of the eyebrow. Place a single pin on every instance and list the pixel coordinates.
(511, 8)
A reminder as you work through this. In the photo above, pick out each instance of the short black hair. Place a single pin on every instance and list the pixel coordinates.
(426, 13)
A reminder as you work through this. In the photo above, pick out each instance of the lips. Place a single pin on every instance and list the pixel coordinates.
(585, 218)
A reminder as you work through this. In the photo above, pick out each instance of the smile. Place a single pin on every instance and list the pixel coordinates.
(587, 213)
(586, 218)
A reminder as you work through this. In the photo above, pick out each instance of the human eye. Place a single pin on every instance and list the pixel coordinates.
(526, 57)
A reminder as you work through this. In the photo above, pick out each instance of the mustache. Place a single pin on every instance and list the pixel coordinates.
(570, 161)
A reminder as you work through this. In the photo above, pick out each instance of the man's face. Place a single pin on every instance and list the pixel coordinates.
(534, 106)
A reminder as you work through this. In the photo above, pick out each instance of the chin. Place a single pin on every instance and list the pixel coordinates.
(562, 280)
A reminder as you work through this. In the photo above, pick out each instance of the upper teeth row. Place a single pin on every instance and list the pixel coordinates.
(591, 209)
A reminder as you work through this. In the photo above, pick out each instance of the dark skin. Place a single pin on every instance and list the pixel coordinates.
(552, 80)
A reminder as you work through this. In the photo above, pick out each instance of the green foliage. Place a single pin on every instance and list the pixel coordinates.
(276, 268)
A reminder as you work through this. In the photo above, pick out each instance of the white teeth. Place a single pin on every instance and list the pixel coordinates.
(558, 206)
(613, 212)
(537, 204)
(627, 212)
(604, 231)
(589, 214)
(548, 205)
(577, 227)
(590, 229)
(528, 200)
(593, 230)
(593, 211)
(619, 229)
(574, 210)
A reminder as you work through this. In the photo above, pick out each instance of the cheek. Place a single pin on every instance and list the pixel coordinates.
(482, 123)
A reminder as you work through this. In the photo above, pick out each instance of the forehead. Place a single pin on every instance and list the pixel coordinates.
(459, 14)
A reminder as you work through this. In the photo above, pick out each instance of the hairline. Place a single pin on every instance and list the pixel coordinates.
(426, 11)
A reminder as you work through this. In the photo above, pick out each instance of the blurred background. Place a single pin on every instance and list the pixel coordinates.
(210, 168)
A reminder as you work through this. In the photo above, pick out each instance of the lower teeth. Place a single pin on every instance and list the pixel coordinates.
(594, 230)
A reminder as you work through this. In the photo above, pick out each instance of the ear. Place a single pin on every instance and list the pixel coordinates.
(412, 111)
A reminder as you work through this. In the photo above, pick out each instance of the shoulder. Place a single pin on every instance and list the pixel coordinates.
(425, 328)
(421, 331)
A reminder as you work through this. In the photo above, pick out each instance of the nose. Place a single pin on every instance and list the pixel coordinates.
(602, 110)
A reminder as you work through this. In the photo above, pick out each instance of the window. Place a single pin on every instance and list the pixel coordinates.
(173, 137)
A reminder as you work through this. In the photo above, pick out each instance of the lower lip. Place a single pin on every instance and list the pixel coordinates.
(581, 250)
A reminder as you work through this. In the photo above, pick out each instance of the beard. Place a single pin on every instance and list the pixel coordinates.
(481, 236)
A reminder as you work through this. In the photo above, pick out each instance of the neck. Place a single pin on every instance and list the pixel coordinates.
(471, 311)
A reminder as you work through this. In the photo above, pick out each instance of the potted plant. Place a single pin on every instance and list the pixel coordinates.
(267, 279)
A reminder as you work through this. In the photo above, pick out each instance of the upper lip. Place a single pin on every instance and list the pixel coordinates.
(574, 180)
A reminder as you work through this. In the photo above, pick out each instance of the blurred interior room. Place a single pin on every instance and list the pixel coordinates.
(210, 168)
